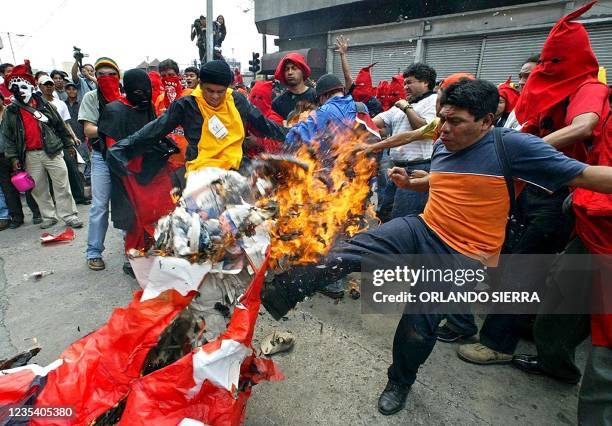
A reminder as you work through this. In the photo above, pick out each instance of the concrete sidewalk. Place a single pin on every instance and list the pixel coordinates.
(334, 374)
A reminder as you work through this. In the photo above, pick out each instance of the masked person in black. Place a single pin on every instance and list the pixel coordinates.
(140, 175)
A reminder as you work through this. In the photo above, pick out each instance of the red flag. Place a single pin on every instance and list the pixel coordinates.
(97, 370)
(213, 383)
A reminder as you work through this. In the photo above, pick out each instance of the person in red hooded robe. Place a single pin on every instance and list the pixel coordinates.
(382, 94)
(397, 91)
(261, 97)
(292, 71)
(508, 97)
(361, 89)
(594, 229)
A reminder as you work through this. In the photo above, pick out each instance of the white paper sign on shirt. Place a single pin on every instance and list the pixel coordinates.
(216, 127)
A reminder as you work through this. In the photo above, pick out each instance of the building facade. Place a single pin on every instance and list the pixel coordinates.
(490, 39)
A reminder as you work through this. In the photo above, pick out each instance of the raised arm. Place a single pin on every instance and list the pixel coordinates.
(74, 72)
(342, 49)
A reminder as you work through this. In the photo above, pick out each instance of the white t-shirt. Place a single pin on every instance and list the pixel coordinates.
(61, 108)
(395, 119)
(512, 122)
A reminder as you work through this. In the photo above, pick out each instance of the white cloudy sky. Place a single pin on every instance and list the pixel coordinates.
(126, 30)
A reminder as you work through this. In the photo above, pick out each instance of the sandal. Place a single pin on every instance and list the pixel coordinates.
(278, 341)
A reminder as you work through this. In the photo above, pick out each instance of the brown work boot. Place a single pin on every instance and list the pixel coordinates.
(477, 353)
(96, 264)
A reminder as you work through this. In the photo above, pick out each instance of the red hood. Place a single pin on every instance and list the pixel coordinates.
(363, 90)
(261, 97)
(382, 93)
(509, 93)
(396, 89)
(574, 64)
(156, 85)
(297, 59)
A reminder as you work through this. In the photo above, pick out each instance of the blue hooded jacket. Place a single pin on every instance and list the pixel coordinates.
(340, 111)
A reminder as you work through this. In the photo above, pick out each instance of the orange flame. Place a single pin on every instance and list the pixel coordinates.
(317, 205)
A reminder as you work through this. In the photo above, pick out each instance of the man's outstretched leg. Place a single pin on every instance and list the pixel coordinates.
(415, 335)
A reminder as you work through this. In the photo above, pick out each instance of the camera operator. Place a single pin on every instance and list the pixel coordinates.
(198, 32)
(86, 80)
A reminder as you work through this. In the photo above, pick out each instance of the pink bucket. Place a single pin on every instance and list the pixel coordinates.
(22, 181)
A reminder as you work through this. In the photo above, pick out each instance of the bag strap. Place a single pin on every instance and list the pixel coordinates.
(36, 113)
(502, 156)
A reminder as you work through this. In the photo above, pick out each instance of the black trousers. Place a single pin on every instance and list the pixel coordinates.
(547, 232)
(77, 183)
(415, 336)
(13, 199)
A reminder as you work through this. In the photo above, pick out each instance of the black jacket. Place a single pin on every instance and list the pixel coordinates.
(185, 112)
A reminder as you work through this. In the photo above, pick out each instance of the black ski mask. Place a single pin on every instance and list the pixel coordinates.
(137, 85)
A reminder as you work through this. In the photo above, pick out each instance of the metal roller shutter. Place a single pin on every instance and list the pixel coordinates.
(448, 56)
(504, 54)
(358, 57)
(601, 42)
(392, 59)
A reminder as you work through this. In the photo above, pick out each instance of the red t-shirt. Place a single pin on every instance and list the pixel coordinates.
(590, 97)
(33, 136)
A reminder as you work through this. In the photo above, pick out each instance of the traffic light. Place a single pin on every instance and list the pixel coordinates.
(255, 63)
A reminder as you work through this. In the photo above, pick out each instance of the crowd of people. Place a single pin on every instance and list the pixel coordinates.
(442, 187)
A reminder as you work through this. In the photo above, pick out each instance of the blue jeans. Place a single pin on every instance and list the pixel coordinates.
(4, 212)
(407, 202)
(381, 184)
(98, 213)
(396, 202)
(84, 151)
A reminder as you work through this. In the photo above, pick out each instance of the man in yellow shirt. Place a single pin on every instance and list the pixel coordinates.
(215, 120)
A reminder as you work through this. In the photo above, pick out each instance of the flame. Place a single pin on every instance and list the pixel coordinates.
(317, 205)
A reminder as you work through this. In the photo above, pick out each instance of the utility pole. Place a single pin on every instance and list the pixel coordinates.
(264, 44)
(11, 44)
(209, 30)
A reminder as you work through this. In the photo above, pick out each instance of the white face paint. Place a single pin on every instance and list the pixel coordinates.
(25, 88)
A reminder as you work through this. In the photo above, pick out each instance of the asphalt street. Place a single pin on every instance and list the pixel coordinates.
(333, 375)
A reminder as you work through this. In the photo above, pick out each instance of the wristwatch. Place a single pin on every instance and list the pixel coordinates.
(406, 107)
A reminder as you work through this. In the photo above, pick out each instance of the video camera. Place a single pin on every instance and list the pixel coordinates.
(78, 56)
